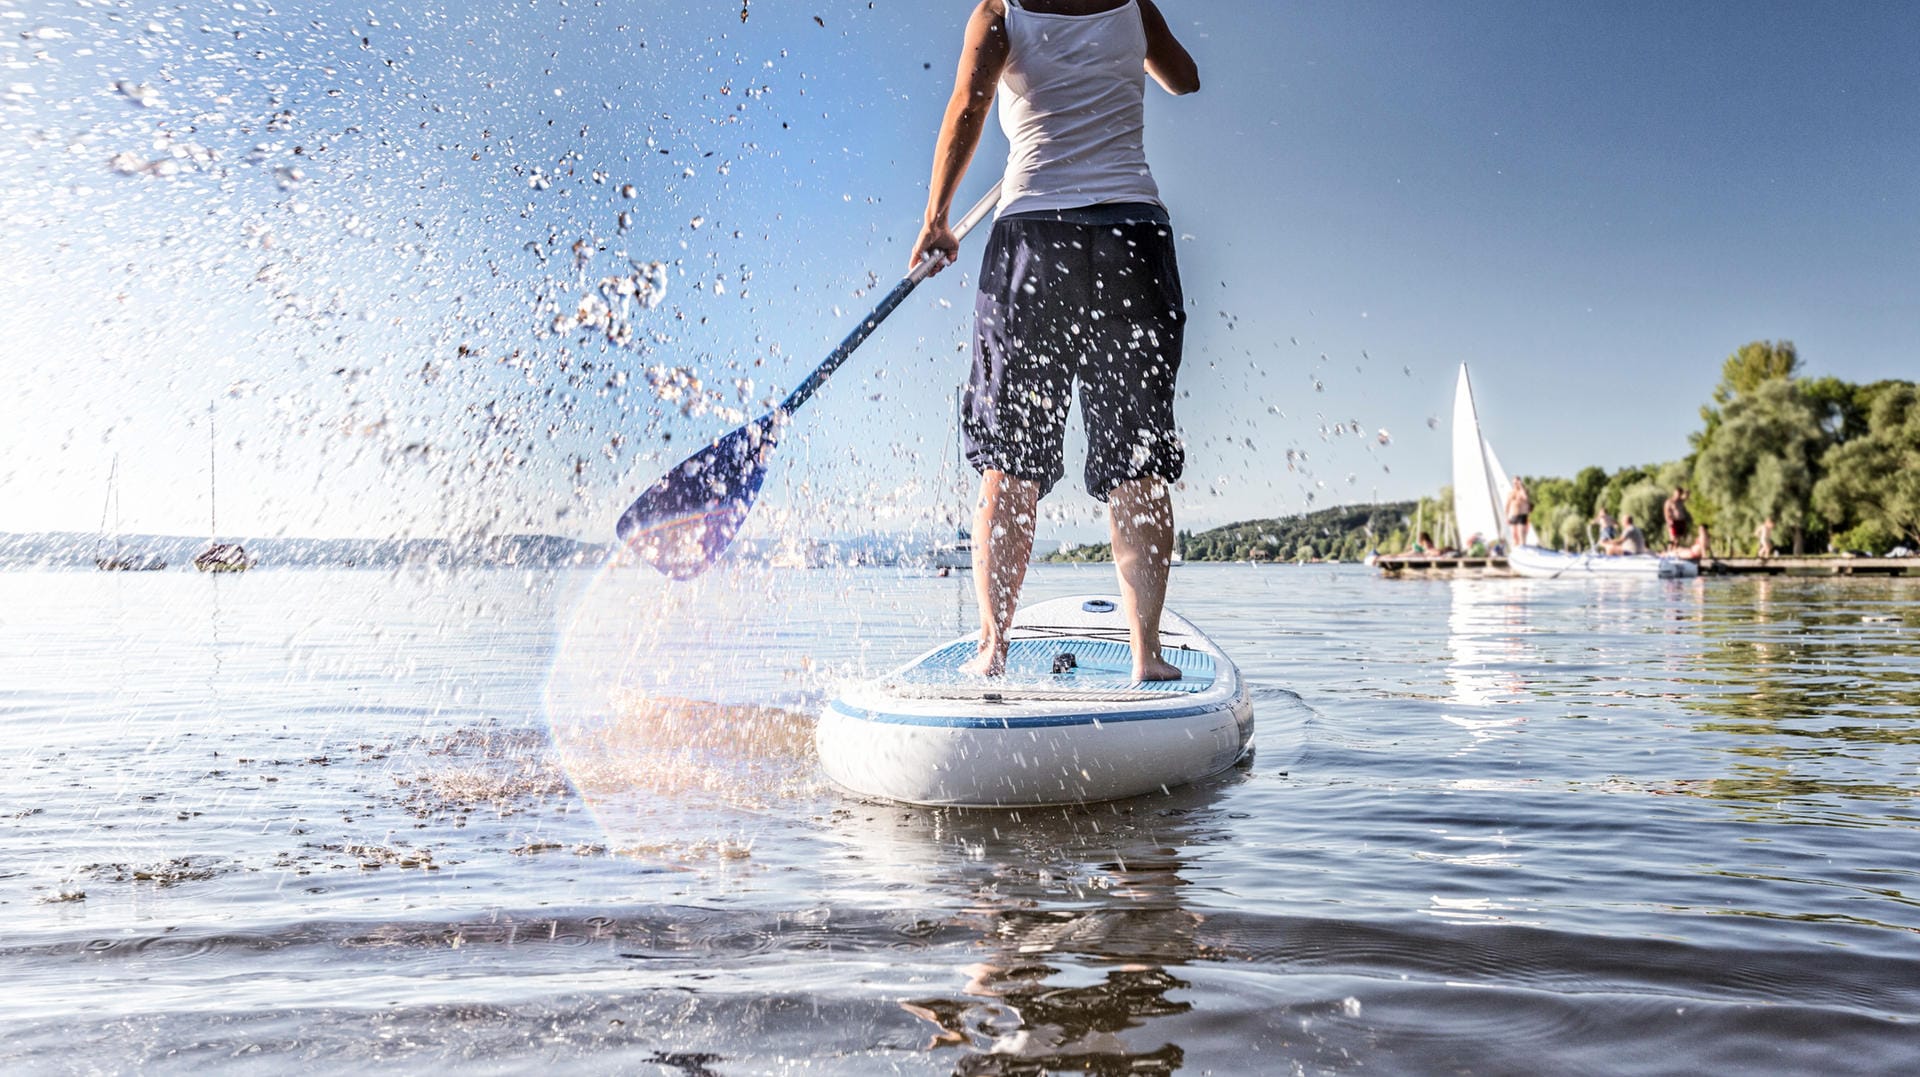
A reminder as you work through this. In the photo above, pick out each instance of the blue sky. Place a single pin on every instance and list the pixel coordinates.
(1591, 204)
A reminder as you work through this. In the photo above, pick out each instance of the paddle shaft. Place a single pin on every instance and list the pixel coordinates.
(893, 299)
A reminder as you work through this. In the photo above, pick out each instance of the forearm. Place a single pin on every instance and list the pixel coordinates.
(1168, 61)
(982, 56)
(959, 137)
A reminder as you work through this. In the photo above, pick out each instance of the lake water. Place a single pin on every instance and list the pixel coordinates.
(500, 821)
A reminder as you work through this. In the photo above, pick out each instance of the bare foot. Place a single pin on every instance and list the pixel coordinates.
(1155, 669)
(991, 661)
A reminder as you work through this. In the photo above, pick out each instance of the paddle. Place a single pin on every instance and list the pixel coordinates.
(684, 521)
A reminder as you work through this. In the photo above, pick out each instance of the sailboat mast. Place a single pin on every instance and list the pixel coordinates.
(213, 479)
(106, 507)
(110, 509)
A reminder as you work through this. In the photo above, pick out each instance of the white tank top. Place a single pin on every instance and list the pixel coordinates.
(1071, 106)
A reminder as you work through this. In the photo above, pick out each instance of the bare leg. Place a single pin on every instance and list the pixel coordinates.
(1002, 544)
(1140, 517)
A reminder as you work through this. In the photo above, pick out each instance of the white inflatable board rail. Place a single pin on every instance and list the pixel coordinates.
(1066, 724)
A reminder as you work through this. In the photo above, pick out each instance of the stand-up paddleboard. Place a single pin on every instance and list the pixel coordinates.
(1066, 724)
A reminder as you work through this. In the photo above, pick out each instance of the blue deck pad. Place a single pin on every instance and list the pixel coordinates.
(1100, 666)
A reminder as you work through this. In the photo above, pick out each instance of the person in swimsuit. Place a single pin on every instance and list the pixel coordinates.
(1678, 519)
(1079, 285)
(1519, 508)
(1701, 549)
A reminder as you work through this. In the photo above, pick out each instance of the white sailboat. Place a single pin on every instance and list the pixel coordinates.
(1479, 503)
(958, 552)
(118, 560)
(1479, 482)
(218, 556)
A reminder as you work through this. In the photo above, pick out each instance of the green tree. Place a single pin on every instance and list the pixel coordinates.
(1759, 464)
(1617, 484)
(1586, 489)
(1570, 530)
(1742, 373)
(1872, 482)
(1754, 365)
(1642, 500)
(1841, 406)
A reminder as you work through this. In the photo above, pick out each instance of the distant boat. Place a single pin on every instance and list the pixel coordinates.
(224, 557)
(218, 556)
(118, 560)
(1543, 564)
(956, 554)
(794, 554)
(959, 552)
(1479, 482)
(1479, 490)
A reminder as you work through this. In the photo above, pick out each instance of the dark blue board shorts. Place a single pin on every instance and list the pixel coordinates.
(1092, 297)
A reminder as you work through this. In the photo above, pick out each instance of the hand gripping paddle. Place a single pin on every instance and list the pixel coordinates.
(685, 520)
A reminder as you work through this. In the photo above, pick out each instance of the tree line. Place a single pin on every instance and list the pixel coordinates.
(1347, 533)
(1834, 464)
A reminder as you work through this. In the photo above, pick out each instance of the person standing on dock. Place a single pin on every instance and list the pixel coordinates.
(1678, 519)
(1519, 511)
(1079, 283)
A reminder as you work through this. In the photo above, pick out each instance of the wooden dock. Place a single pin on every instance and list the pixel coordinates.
(1826, 564)
(1433, 564)
(1396, 565)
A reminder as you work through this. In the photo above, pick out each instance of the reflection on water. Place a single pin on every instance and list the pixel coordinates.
(574, 820)
(1486, 637)
(1802, 690)
(1811, 689)
(1081, 923)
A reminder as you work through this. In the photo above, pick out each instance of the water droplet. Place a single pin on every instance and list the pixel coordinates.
(139, 93)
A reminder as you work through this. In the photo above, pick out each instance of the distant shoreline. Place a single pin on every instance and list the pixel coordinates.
(70, 549)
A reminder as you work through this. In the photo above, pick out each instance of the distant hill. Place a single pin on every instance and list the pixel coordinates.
(1346, 533)
(68, 549)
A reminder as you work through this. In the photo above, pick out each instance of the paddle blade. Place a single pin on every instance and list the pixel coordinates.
(685, 521)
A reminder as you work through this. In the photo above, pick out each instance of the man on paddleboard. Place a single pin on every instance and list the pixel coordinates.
(1079, 284)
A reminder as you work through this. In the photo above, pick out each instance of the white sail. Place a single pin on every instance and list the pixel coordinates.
(1497, 479)
(1479, 483)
